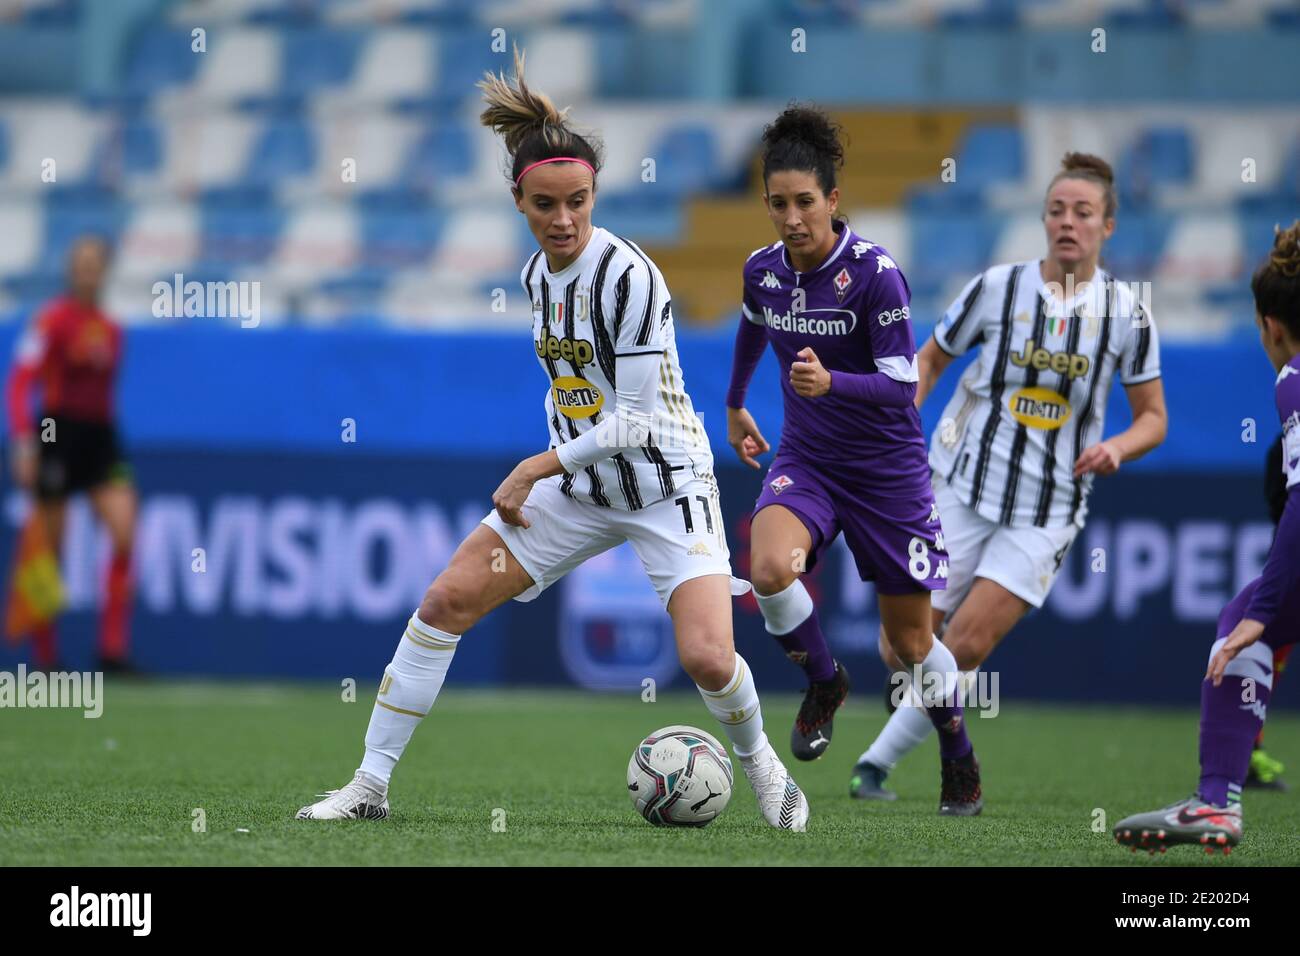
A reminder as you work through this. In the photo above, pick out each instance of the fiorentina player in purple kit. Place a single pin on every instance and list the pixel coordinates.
(852, 458)
(1264, 617)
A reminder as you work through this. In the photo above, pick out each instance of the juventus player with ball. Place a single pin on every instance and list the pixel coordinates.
(836, 309)
(1019, 444)
(603, 333)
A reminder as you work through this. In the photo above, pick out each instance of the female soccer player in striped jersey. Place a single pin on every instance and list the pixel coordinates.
(1019, 443)
(1263, 619)
(628, 461)
(852, 457)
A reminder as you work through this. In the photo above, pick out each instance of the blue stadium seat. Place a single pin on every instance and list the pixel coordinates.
(463, 58)
(285, 149)
(1161, 155)
(236, 235)
(685, 160)
(641, 215)
(948, 245)
(441, 151)
(159, 57)
(393, 239)
(1137, 245)
(74, 211)
(990, 153)
(317, 58)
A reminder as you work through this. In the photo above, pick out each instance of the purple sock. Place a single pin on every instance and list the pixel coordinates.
(951, 725)
(1229, 724)
(806, 646)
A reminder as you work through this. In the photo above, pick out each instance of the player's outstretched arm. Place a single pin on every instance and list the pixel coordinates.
(931, 362)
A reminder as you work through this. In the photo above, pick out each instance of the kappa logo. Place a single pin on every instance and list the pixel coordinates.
(861, 247)
(934, 514)
(770, 281)
(1255, 707)
(842, 282)
(884, 262)
(780, 483)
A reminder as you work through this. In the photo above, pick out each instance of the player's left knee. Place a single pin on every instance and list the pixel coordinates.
(910, 644)
(709, 663)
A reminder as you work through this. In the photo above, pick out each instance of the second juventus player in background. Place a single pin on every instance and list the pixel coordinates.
(1020, 443)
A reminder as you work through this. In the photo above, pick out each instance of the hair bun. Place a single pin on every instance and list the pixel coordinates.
(1285, 255)
(1089, 164)
(809, 126)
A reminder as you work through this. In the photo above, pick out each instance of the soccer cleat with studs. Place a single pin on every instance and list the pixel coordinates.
(1190, 821)
(960, 795)
(810, 736)
(362, 799)
(779, 798)
(868, 783)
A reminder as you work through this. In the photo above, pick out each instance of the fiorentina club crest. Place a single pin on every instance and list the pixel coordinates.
(841, 281)
(780, 483)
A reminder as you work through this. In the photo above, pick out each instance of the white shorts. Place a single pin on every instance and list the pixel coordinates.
(1023, 560)
(673, 546)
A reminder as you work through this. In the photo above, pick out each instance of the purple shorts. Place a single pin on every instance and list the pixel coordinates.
(895, 542)
(1284, 628)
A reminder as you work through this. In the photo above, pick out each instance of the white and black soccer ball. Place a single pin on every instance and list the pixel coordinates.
(679, 777)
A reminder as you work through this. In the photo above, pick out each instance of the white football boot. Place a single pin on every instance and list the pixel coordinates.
(783, 804)
(362, 799)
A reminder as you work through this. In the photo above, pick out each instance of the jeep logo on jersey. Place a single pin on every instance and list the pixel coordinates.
(576, 397)
(577, 351)
(1069, 364)
(1042, 408)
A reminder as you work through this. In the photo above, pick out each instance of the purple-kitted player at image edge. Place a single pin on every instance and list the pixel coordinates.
(1264, 617)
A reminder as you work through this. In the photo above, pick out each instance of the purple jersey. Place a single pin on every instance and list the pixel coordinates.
(853, 311)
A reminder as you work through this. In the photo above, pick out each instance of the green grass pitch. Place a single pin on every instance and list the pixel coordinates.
(123, 789)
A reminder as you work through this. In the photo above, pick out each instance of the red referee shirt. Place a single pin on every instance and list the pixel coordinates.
(73, 351)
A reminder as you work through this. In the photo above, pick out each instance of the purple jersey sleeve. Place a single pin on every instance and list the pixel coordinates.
(1282, 570)
(887, 310)
(751, 341)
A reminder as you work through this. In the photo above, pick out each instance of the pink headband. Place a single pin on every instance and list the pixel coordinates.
(555, 159)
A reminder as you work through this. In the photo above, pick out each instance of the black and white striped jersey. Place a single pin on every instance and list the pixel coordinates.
(1035, 396)
(612, 301)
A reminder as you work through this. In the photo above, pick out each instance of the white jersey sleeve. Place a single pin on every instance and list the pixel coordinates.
(962, 326)
(634, 305)
(1139, 359)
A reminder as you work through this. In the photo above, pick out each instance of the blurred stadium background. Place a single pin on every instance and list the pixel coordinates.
(380, 303)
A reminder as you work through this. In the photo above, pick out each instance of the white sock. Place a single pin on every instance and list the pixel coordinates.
(908, 726)
(785, 610)
(941, 661)
(737, 709)
(409, 688)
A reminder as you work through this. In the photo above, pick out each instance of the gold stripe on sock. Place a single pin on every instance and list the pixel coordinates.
(398, 710)
(428, 642)
(731, 689)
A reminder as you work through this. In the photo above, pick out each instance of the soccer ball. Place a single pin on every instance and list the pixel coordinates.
(679, 777)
